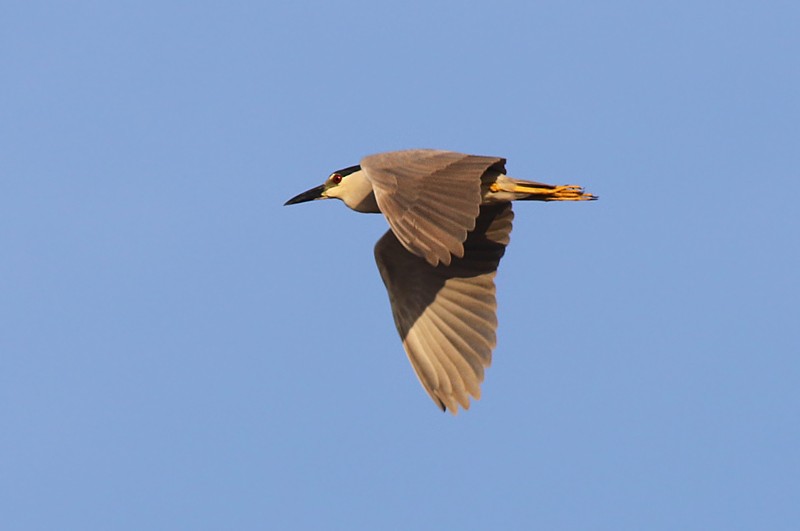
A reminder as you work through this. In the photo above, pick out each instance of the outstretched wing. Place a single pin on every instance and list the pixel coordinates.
(430, 198)
(446, 315)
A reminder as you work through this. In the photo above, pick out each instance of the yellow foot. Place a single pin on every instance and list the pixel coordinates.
(568, 192)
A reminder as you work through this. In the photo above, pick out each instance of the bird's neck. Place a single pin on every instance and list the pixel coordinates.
(358, 194)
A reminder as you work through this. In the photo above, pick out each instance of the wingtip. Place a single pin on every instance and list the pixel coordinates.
(453, 411)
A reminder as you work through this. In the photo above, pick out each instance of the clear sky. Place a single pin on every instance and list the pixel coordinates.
(180, 351)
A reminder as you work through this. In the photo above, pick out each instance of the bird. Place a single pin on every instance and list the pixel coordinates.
(450, 220)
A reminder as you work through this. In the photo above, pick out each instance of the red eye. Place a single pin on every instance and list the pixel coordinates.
(336, 178)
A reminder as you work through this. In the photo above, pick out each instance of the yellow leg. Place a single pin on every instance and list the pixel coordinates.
(568, 192)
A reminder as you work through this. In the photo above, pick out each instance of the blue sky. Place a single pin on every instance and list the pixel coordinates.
(180, 351)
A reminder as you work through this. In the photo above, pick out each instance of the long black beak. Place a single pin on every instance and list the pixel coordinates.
(308, 195)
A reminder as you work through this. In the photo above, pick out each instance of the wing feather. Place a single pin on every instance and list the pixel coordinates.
(446, 315)
(430, 198)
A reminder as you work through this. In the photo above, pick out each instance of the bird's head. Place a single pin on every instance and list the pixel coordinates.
(349, 184)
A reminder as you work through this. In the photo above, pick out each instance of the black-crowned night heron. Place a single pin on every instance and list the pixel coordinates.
(450, 217)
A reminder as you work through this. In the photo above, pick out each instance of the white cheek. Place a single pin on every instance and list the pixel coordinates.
(333, 192)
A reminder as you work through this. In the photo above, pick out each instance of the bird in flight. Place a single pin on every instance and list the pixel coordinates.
(450, 220)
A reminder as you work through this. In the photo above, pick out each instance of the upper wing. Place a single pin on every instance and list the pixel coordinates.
(446, 315)
(430, 198)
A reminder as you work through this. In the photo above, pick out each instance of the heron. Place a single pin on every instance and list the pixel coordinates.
(450, 219)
